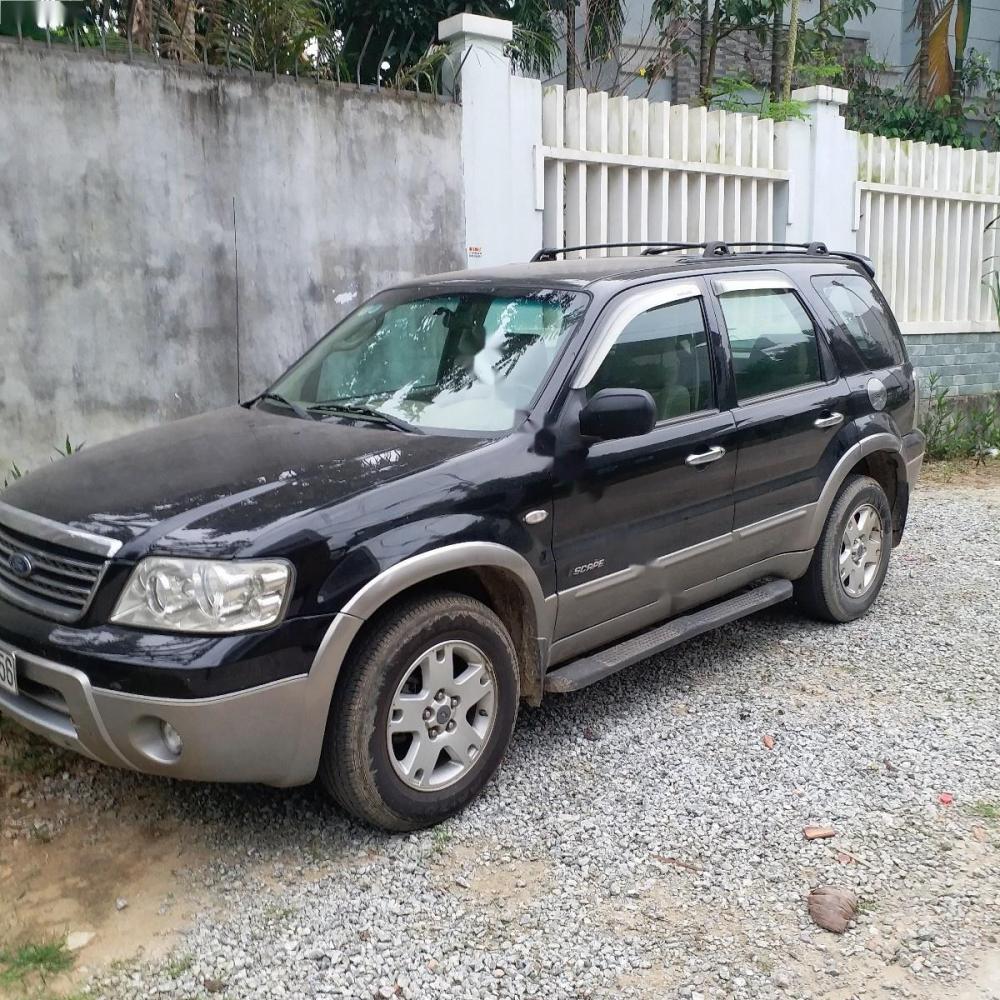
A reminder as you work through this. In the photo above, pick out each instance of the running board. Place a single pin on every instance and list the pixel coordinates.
(587, 670)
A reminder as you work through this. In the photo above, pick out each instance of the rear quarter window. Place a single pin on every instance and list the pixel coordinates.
(864, 316)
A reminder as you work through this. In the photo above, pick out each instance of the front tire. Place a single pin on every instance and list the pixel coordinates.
(851, 560)
(422, 714)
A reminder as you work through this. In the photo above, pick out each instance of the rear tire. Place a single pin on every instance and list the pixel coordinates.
(422, 714)
(851, 559)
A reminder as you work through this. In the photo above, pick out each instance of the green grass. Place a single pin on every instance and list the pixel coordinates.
(440, 839)
(46, 958)
(179, 965)
(22, 754)
(985, 810)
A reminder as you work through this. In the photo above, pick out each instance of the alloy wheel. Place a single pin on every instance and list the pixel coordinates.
(860, 550)
(441, 715)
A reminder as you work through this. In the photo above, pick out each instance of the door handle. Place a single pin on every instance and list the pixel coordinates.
(830, 421)
(704, 457)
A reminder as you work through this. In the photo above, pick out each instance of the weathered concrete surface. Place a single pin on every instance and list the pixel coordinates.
(118, 274)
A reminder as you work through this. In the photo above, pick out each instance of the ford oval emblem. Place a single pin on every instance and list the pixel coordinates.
(20, 565)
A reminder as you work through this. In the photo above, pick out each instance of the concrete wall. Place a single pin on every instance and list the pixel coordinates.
(118, 277)
(967, 363)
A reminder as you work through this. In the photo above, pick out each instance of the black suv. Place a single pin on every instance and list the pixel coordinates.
(479, 488)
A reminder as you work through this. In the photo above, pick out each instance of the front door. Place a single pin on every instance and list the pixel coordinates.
(791, 406)
(639, 521)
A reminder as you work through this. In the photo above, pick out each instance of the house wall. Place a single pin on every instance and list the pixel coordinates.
(118, 249)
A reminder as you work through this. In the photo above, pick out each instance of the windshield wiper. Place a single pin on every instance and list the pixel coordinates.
(367, 412)
(298, 410)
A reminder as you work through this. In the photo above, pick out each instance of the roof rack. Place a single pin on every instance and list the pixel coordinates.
(550, 253)
(713, 248)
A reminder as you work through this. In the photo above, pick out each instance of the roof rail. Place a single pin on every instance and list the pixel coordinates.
(714, 248)
(550, 253)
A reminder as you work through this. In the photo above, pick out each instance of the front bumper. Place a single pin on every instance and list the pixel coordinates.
(270, 734)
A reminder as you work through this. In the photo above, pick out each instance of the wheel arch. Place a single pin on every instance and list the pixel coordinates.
(495, 574)
(500, 577)
(879, 456)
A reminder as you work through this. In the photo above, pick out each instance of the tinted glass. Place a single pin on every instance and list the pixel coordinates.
(772, 339)
(863, 316)
(463, 361)
(665, 352)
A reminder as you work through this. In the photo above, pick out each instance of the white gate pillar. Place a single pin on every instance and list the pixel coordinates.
(501, 126)
(823, 161)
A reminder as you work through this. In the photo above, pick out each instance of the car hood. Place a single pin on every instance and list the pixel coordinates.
(210, 485)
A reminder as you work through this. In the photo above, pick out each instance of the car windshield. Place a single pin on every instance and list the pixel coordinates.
(466, 361)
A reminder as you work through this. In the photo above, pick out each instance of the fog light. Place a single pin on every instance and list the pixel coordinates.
(171, 738)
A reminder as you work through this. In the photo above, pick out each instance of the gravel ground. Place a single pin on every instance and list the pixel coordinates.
(641, 840)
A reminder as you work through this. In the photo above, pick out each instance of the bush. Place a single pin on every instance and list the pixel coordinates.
(960, 429)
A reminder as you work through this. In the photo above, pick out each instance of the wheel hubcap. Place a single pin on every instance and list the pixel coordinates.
(441, 715)
(860, 550)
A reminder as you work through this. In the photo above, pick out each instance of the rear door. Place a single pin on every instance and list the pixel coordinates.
(791, 404)
(635, 526)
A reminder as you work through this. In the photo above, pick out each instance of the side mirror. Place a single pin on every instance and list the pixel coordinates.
(618, 413)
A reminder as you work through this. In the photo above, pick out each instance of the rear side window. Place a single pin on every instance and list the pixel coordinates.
(862, 314)
(773, 341)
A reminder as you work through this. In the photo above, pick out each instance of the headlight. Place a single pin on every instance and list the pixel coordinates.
(197, 595)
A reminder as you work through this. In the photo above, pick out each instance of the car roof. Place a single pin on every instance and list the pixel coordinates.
(586, 272)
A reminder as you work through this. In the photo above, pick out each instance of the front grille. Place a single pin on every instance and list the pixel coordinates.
(61, 583)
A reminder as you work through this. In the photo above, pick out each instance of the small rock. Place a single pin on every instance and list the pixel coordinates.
(121, 903)
(79, 939)
(818, 832)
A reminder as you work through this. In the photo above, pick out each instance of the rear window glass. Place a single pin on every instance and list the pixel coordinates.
(772, 339)
(862, 314)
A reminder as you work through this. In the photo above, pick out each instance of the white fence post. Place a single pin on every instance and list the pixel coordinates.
(501, 131)
(823, 158)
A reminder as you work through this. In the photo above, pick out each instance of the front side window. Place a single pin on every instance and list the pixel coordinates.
(855, 304)
(465, 361)
(773, 341)
(664, 351)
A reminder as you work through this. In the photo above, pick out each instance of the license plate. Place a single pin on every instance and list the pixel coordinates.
(8, 671)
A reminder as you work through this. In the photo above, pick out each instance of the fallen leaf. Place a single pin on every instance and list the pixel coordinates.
(946, 798)
(832, 907)
(818, 832)
(768, 741)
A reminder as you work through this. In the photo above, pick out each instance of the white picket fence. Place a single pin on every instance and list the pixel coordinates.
(614, 169)
(921, 212)
(620, 170)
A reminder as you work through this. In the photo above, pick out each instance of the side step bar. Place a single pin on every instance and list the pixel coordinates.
(596, 666)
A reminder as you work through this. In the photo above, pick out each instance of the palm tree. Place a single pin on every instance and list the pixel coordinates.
(793, 32)
(602, 32)
(935, 75)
